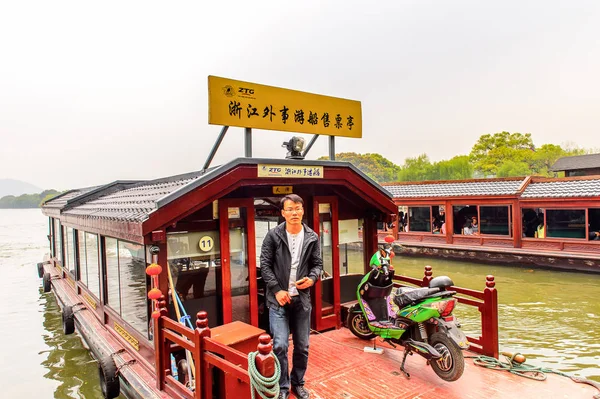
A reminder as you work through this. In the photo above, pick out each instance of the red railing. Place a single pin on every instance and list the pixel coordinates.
(206, 355)
(485, 301)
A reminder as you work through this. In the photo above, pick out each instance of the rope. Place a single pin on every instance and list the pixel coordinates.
(526, 370)
(267, 387)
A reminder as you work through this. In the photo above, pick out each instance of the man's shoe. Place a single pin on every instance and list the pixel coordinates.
(301, 392)
(283, 395)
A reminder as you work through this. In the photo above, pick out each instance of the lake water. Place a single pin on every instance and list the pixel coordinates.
(552, 317)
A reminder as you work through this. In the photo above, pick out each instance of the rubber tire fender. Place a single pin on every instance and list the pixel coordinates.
(40, 269)
(46, 282)
(68, 320)
(109, 379)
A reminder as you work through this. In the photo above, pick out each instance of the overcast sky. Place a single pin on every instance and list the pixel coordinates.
(95, 92)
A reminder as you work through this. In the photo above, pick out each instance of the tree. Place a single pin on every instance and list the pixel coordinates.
(456, 168)
(511, 169)
(375, 166)
(415, 169)
(491, 151)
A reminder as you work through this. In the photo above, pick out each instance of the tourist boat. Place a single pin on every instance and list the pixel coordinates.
(527, 221)
(161, 278)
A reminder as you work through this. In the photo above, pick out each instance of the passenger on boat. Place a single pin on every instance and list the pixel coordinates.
(594, 235)
(474, 225)
(541, 229)
(291, 263)
(466, 230)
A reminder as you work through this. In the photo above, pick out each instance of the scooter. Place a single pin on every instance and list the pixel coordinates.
(419, 319)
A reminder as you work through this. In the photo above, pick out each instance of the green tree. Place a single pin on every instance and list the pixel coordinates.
(491, 151)
(375, 166)
(456, 168)
(416, 169)
(511, 168)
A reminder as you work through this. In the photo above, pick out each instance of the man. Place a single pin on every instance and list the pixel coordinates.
(290, 263)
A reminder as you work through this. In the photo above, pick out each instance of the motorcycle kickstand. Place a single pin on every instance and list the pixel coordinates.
(406, 353)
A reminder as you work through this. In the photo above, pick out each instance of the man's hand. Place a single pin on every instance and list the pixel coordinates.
(304, 283)
(283, 297)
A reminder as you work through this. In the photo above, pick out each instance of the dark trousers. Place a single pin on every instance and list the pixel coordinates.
(292, 318)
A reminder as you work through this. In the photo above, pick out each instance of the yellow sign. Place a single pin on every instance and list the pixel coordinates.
(89, 300)
(206, 243)
(245, 104)
(290, 171)
(282, 189)
(123, 333)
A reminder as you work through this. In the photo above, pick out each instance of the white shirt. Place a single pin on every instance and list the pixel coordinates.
(295, 242)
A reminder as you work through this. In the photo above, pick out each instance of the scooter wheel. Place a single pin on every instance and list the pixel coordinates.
(451, 365)
(358, 325)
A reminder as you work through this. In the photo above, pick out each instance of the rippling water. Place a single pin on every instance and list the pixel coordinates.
(552, 317)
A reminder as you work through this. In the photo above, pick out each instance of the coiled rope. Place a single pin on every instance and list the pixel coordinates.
(267, 387)
(525, 370)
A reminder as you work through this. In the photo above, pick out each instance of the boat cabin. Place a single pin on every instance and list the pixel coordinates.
(208, 227)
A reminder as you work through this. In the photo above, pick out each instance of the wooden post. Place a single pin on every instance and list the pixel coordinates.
(161, 349)
(203, 372)
(428, 276)
(490, 318)
(265, 361)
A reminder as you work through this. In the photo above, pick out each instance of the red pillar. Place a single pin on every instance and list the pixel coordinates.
(490, 318)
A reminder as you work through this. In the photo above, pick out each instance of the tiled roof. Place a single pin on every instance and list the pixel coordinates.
(563, 189)
(458, 189)
(61, 200)
(134, 203)
(587, 161)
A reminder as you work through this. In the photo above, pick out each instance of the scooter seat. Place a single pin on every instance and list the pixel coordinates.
(407, 295)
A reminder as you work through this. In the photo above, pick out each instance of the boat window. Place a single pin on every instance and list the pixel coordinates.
(83, 277)
(112, 274)
(419, 218)
(531, 219)
(88, 262)
(132, 280)
(195, 264)
(58, 240)
(70, 250)
(466, 219)
(351, 247)
(566, 223)
(51, 235)
(127, 282)
(495, 220)
(594, 224)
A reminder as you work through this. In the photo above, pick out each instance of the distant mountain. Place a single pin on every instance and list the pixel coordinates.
(17, 187)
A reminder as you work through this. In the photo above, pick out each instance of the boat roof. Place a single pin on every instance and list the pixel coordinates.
(570, 187)
(136, 201)
(456, 188)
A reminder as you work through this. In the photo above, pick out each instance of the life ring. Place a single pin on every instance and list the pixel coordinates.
(46, 282)
(40, 269)
(109, 380)
(68, 320)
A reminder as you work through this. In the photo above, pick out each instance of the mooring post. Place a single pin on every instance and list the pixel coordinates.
(162, 353)
(490, 318)
(265, 360)
(203, 374)
(428, 276)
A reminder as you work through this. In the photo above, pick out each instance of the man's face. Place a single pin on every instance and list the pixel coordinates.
(292, 212)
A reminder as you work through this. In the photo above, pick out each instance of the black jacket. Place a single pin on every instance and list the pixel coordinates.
(276, 262)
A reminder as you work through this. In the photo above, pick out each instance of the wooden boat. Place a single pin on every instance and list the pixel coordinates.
(531, 221)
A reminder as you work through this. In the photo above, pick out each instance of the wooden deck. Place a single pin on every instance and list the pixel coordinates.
(339, 368)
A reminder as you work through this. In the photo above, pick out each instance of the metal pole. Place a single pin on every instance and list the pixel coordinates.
(248, 142)
(332, 148)
(213, 151)
(310, 144)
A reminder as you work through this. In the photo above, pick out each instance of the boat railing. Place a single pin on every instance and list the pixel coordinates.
(205, 355)
(486, 302)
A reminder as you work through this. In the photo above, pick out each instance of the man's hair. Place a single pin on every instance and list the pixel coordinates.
(291, 197)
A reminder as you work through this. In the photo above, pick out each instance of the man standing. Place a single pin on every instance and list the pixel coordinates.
(290, 263)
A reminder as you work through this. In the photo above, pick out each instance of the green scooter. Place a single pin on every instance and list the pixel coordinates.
(419, 319)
